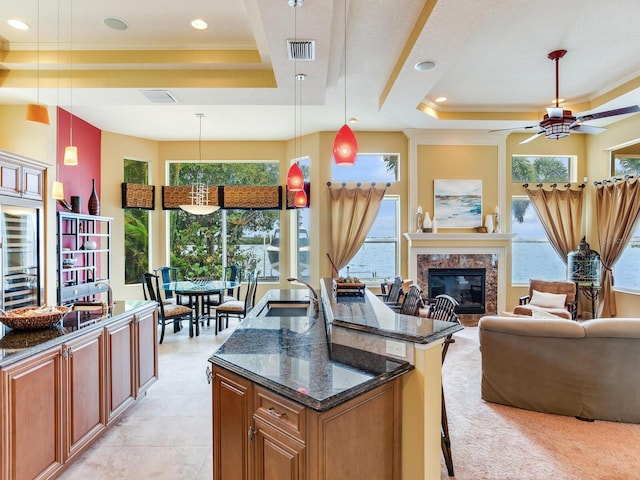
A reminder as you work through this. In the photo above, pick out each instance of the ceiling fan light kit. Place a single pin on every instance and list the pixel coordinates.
(558, 123)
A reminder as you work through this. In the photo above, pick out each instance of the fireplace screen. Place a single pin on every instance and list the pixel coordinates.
(466, 285)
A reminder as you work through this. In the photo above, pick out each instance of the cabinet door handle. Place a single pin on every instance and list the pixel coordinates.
(273, 412)
(251, 434)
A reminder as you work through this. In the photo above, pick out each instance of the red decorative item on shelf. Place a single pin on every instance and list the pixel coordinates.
(345, 147)
(295, 178)
(94, 203)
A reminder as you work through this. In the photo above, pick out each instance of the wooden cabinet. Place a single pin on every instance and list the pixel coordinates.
(274, 438)
(83, 256)
(21, 177)
(54, 403)
(120, 367)
(146, 347)
(31, 432)
(84, 383)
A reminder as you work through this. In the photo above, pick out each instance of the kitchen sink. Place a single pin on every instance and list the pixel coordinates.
(285, 309)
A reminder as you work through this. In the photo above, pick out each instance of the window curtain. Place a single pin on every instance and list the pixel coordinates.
(353, 211)
(617, 209)
(560, 212)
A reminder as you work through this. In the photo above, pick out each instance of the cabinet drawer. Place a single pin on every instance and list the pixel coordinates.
(280, 412)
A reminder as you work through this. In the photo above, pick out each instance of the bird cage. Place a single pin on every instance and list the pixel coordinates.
(583, 265)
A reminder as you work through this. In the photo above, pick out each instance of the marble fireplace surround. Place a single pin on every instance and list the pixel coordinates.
(437, 252)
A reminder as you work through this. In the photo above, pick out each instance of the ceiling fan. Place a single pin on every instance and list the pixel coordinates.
(559, 123)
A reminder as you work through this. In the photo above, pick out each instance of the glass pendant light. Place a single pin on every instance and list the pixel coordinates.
(36, 112)
(199, 190)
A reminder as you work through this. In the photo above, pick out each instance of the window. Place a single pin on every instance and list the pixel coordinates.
(625, 165)
(202, 245)
(532, 256)
(302, 231)
(377, 258)
(625, 271)
(368, 168)
(535, 169)
(136, 227)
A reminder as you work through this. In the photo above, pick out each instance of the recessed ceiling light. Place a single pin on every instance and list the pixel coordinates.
(425, 65)
(199, 24)
(353, 120)
(441, 99)
(18, 24)
(116, 23)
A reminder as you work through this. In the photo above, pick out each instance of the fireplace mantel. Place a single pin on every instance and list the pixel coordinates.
(440, 237)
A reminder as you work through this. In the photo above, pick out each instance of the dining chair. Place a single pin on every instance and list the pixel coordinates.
(238, 308)
(411, 302)
(170, 274)
(167, 312)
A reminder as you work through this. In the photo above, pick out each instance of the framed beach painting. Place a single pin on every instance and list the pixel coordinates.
(458, 203)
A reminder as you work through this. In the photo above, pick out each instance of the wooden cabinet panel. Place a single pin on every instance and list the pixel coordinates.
(9, 178)
(120, 367)
(147, 350)
(85, 396)
(32, 419)
(281, 439)
(277, 456)
(232, 407)
(32, 183)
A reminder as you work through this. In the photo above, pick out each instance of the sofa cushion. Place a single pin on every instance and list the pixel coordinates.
(548, 300)
(612, 328)
(532, 310)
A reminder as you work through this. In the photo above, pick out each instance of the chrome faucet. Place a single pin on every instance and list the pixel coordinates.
(109, 293)
(315, 299)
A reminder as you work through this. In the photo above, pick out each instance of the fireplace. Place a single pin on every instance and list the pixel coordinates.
(466, 285)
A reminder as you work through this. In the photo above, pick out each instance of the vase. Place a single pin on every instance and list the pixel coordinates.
(488, 223)
(94, 203)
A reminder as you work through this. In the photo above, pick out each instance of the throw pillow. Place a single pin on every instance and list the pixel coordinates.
(547, 300)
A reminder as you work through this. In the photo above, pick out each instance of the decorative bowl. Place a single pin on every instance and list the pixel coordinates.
(69, 262)
(32, 318)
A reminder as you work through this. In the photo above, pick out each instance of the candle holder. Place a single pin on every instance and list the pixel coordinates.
(496, 223)
(419, 222)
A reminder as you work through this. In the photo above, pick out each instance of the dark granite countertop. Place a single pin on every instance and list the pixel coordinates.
(16, 345)
(370, 314)
(292, 356)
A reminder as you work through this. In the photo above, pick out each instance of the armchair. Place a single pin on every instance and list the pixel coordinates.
(556, 297)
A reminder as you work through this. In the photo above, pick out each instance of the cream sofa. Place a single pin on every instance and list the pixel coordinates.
(589, 370)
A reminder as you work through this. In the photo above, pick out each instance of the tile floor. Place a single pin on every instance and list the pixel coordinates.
(167, 434)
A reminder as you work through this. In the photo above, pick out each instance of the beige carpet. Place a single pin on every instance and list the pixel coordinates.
(495, 442)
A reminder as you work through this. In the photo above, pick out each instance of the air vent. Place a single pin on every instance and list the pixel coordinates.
(159, 96)
(301, 49)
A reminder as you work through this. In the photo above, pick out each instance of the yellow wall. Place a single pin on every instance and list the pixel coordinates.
(463, 162)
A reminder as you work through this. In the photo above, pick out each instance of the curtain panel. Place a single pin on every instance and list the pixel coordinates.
(353, 210)
(617, 210)
(560, 212)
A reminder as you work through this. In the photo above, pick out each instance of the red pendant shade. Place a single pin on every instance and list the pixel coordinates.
(345, 147)
(295, 178)
(300, 199)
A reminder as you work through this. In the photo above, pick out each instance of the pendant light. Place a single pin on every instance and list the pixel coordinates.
(345, 145)
(300, 199)
(36, 112)
(199, 190)
(71, 151)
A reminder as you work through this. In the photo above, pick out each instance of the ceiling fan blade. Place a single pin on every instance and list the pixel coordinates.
(532, 137)
(590, 129)
(526, 127)
(554, 112)
(609, 113)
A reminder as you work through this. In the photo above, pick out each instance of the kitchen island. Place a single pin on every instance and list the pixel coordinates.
(61, 387)
(290, 401)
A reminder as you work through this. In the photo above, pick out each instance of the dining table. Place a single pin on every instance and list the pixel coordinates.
(198, 291)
